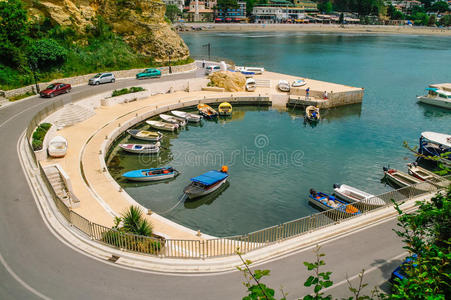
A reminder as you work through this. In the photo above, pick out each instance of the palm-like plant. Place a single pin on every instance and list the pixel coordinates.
(134, 222)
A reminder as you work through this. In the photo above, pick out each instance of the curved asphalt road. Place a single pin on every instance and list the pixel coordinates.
(35, 264)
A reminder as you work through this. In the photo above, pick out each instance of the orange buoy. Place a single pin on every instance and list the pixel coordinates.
(224, 169)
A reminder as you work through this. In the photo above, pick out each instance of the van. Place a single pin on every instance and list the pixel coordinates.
(212, 69)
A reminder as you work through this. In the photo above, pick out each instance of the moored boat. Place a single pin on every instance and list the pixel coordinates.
(145, 135)
(298, 83)
(163, 125)
(206, 111)
(153, 174)
(187, 116)
(225, 109)
(206, 183)
(351, 194)
(57, 147)
(437, 97)
(436, 144)
(251, 85)
(141, 148)
(173, 120)
(312, 113)
(283, 85)
(400, 178)
(423, 174)
(329, 202)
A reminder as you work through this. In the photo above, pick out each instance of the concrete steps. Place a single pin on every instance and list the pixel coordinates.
(263, 83)
(71, 114)
(57, 183)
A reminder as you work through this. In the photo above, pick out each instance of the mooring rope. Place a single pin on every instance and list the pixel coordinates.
(182, 198)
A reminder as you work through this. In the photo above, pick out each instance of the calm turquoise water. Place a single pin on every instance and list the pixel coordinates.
(274, 157)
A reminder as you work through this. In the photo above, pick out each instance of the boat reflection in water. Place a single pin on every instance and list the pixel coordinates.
(208, 199)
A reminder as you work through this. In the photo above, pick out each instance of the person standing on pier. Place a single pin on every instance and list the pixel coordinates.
(307, 93)
(203, 63)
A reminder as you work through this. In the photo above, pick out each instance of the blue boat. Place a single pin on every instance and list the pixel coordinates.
(328, 202)
(206, 183)
(153, 174)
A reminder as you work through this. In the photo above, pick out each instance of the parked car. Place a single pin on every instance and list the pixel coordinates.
(400, 271)
(149, 73)
(55, 89)
(102, 78)
(212, 69)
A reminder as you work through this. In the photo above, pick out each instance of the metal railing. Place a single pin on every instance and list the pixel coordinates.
(218, 247)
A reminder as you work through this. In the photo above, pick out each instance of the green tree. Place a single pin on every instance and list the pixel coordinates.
(13, 33)
(445, 20)
(426, 234)
(224, 4)
(172, 12)
(134, 222)
(46, 54)
(325, 7)
(440, 6)
(394, 14)
(432, 20)
(320, 280)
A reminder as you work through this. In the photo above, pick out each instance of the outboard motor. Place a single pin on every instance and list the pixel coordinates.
(313, 192)
(337, 186)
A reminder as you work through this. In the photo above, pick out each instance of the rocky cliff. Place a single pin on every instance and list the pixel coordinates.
(140, 22)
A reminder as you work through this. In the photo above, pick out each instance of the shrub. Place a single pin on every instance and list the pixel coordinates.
(133, 89)
(36, 144)
(142, 244)
(45, 126)
(39, 135)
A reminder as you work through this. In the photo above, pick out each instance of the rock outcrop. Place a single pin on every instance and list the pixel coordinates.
(140, 22)
(230, 81)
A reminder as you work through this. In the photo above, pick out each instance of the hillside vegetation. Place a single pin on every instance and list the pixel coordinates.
(37, 43)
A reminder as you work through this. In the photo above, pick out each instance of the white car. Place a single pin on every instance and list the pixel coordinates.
(212, 69)
(298, 82)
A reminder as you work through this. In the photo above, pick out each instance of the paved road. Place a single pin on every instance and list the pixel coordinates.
(35, 264)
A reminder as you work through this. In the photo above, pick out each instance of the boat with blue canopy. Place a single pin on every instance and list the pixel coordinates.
(436, 144)
(153, 174)
(329, 202)
(206, 183)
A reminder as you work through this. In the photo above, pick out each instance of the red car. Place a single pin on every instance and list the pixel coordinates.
(55, 89)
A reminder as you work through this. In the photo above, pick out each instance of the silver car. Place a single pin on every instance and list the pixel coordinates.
(102, 78)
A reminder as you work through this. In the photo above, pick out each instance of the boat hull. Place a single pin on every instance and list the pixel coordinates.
(445, 103)
(341, 210)
(139, 175)
(187, 116)
(353, 195)
(133, 133)
(144, 150)
(401, 179)
(173, 120)
(163, 126)
(191, 195)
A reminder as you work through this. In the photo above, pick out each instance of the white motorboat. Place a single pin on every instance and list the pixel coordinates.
(351, 194)
(195, 118)
(145, 135)
(283, 85)
(173, 120)
(255, 70)
(163, 125)
(251, 85)
(436, 97)
(400, 178)
(57, 147)
(298, 83)
(141, 148)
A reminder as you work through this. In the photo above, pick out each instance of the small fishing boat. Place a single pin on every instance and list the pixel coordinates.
(283, 85)
(187, 116)
(206, 111)
(57, 147)
(163, 125)
(351, 194)
(400, 178)
(327, 202)
(251, 85)
(423, 174)
(153, 174)
(145, 135)
(298, 83)
(141, 148)
(173, 120)
(225, 109)
(206, 183)
(312, 113)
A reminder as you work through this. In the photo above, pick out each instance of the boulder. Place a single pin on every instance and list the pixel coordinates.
(230, 81)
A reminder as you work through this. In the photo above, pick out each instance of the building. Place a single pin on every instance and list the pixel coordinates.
(236, 15)
(201, 11)
(179, 3)
(307, 5)
(278, 14)
(405, 6)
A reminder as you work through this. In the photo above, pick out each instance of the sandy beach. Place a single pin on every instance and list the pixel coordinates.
(330, 28)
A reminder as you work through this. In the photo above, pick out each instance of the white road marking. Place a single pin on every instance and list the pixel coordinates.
(19, 280)
(12, 117)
